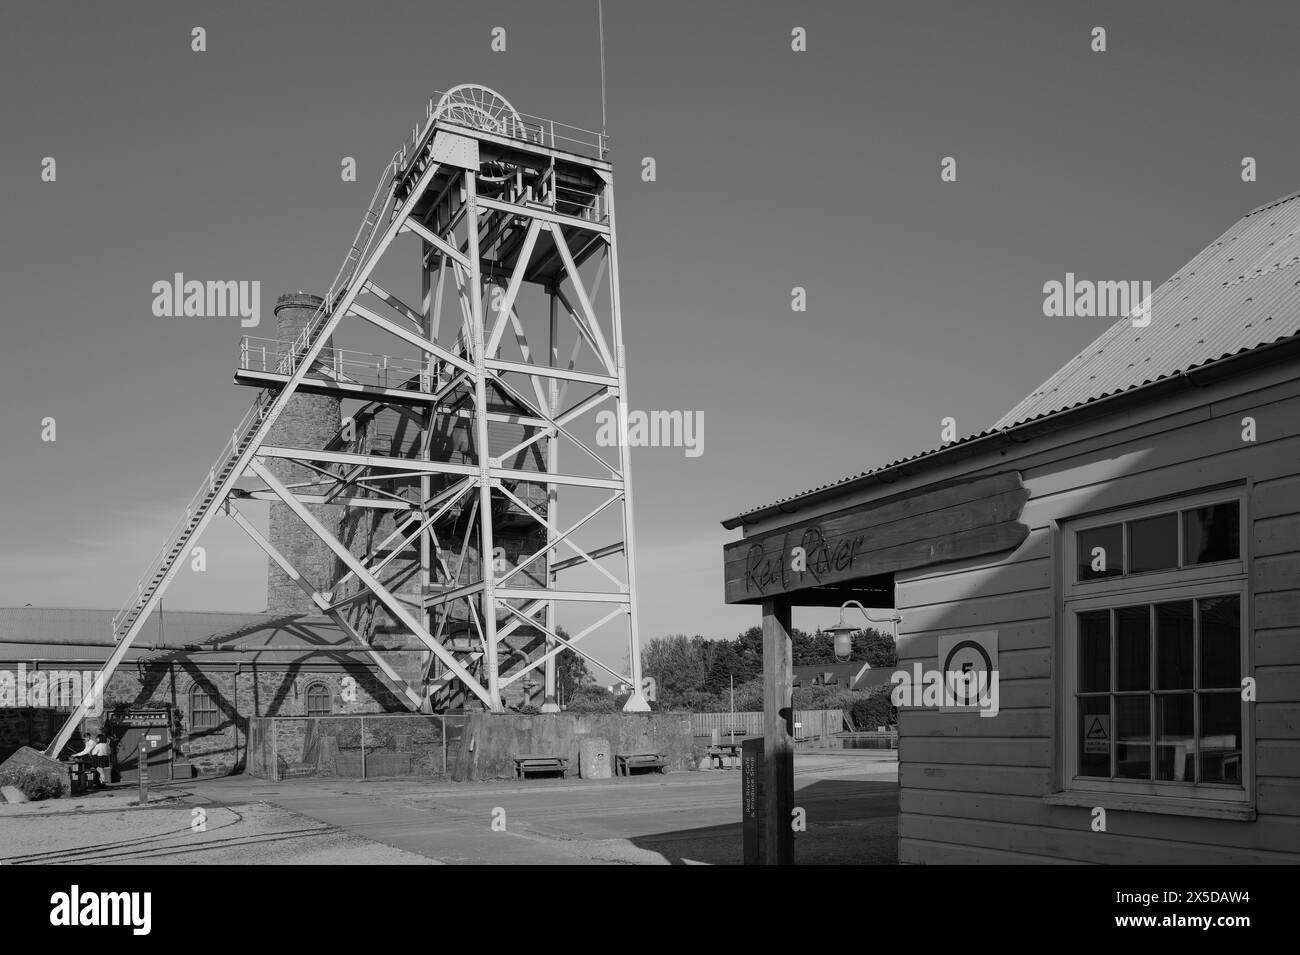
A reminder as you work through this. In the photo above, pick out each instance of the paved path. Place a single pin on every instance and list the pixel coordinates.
(851, 803)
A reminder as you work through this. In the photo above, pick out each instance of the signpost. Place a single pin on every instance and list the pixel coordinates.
(144, 772)
(751, 789)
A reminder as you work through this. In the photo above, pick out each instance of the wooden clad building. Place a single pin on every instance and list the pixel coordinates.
(1120, 555)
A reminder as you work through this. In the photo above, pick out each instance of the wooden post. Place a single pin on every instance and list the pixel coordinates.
(778, 746)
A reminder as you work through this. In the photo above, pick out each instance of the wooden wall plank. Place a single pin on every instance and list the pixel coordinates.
(1025, 635)
(1032, 753)
(1275, 497)
(1277, 647)
(1277, 758)
(977, 779)
(1037, 546)
(982, 612)
(916, 722)
(1278, 684)
(1084, 845)
(1276, 535)
(1277, 795)
(1001, 578)
(1279, 720)
(1268, 831)
(1279, 610)
(1280, 572)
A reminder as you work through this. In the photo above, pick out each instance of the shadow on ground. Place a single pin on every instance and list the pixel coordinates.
(850, 822)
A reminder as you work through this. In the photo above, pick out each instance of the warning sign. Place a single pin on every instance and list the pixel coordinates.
(1096, 734)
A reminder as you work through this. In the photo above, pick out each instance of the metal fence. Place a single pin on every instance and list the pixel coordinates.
(811, 726)
(356, 746)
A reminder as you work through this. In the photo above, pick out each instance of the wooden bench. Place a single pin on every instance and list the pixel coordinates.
(624, 763)
(541, 764)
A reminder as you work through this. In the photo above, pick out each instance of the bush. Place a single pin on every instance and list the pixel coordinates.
(873, 708)
(35, 782)
(592, 699)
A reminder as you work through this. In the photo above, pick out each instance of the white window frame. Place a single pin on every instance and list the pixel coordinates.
(1222, 578)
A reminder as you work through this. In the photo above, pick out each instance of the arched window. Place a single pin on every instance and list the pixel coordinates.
(318, 700)
(203, 708)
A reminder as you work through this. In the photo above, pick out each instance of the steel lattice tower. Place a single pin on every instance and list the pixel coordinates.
(465, 484)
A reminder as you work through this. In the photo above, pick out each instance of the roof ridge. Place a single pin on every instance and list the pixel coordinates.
(1275, 202)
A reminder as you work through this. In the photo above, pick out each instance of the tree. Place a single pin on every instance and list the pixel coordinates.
(679, 666)
(571, 671)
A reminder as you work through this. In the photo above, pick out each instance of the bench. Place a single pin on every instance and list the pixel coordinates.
(541, 764)
(624, 763)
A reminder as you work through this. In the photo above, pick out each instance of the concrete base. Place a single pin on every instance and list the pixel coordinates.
(636, 703)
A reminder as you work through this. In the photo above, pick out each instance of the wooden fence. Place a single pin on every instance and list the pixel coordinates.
(814, 726)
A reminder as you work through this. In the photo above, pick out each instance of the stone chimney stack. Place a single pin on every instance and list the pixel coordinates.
(309, 421)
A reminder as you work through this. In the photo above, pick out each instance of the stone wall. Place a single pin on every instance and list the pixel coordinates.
(490, 741)
(241, 693)
(352, 747)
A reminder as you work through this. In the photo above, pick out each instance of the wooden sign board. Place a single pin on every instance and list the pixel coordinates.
(142, 719)
(947, 522)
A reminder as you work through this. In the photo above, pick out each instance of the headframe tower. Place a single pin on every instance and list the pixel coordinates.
(479, 486)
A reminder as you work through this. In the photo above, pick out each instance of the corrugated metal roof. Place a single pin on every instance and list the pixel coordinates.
(46, 625)
(1240, 293)
(61, 633)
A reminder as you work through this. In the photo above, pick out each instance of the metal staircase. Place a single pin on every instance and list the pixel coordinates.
(541, 182)
(238, 451)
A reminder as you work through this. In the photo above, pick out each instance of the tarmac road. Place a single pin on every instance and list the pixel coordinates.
(850, 800)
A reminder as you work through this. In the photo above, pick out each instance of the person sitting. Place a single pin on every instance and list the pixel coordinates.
(100, 757)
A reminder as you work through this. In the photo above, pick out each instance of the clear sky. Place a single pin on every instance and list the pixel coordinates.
(775, 169)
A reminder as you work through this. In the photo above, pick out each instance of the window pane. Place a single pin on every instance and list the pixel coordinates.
(1133, 737)
(1220, 641)
(1153, 544)
(1104, 547)
(1094, 651)
(203, 710)
(1221, 738)
(1210, 534)
(1174, 646)
(1094, 751)
(1133, 648)
(1174, 743)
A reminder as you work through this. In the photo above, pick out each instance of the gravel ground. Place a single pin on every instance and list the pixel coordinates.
(163, 834)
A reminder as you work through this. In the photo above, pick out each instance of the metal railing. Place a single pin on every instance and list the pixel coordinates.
(357, 253)
(341, 364)
(532, 129)
(183, 529)
(529, 129)
(163, 566)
